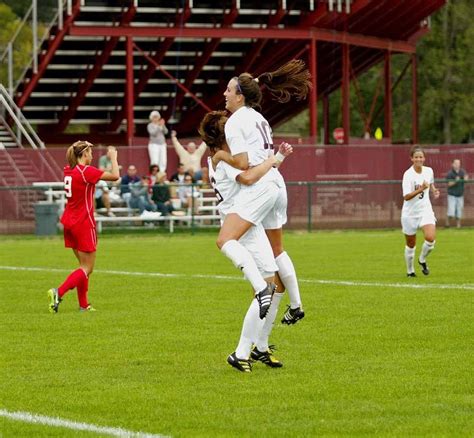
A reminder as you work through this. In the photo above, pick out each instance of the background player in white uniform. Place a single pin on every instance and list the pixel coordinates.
(417, 211)
(225, 181)
(249, 137)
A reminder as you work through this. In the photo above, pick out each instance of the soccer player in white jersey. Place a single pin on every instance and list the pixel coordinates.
(226, 181)
(417, 211)
(249, 137)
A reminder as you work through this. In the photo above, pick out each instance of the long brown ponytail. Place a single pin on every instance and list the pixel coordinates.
(212, 131)
(75, 151)
(292, 79)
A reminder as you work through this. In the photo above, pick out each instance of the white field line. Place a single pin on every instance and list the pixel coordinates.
(234, 278)
(27, 417)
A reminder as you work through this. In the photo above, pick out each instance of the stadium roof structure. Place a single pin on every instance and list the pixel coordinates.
(108, 63)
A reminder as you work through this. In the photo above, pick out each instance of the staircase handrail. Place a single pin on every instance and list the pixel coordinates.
(20, 120)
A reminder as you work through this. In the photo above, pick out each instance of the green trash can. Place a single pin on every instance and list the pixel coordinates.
(46, 218)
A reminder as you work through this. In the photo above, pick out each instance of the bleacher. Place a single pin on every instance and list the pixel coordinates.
(206, 212)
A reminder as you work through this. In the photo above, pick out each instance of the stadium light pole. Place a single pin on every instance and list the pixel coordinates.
(414, 92)
(129, 91)
(346, 117)
(313, 98)
(388, 95)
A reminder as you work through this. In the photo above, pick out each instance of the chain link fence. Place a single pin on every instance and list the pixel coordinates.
(311, 206)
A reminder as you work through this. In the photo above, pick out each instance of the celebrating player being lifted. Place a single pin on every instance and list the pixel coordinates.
(249, 137)
(226, 181)
(417, 211)
(80, 234)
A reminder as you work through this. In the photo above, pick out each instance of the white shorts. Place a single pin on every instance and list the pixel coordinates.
(411, 224)
(455, 206)
(276, 218)
(253, 203)
(256, 242)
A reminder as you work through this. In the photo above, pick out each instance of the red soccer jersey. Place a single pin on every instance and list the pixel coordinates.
(79, 185)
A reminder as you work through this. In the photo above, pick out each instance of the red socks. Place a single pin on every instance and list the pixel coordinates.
(76, 279)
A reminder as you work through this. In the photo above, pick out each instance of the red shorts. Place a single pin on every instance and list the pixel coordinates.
(81, 237)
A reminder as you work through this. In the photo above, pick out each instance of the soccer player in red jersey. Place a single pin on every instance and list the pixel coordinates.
(78, 220)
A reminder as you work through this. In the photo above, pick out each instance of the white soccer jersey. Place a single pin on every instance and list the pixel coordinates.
(420, 204)
(224, 183)
(248, 131)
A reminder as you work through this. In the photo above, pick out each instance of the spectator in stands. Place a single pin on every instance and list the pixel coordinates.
(456, 177)
(189, 156)
(180, 174)
(205, 183)
(130, 178)
(157, 143)
(105, 163)
(101, 196)
(161, 195)
(154, 170)
(140, 197)
(186, 192)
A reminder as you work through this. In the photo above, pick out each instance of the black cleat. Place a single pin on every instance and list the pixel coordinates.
(264, 298)
(241, 364)
(411, 274)
(266, 357)
(424, 268)
(54, 300)
(292, 316)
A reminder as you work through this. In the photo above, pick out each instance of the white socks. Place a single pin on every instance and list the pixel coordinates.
(243, 260)
(287, 274)
(262, 340)
(250, 328)
(425, 250)
(410, 259)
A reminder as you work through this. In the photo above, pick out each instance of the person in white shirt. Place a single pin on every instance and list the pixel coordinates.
(157, 143)
(190, 156)
(249, 137)
(226, 182)
(417, 211)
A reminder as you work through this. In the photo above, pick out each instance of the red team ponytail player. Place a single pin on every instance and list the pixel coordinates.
(80, 234)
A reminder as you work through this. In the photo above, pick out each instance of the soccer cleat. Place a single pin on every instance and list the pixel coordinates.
(241, 364)
(264, 298)
(266, 357)
(292, 316)
(411, 274)
(424, 268)
(54, 300)
(89, 308)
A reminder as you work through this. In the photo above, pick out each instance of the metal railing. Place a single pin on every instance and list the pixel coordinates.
(23, 127)
(7, 57)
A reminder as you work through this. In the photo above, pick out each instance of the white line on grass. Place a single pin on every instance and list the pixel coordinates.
(27, 417)
(234, 278)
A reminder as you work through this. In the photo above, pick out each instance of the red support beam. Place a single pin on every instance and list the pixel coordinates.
(169, 76)
(414, 98)
(346, 120)
(313, 97)
(146, 75)
(200, 62)
(388, 95)
(44, 62)
(92, 74)
(238, 33)
(129, 91)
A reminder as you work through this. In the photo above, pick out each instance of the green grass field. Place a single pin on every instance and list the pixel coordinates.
(377, 354)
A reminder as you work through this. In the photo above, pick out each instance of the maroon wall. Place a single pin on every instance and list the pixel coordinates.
(310, 163)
